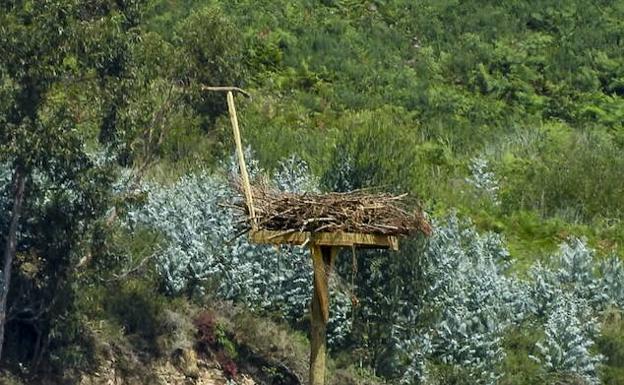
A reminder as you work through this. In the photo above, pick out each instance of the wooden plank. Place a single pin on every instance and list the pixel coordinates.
(325, 239)
(320, 280)
(209, 88)
(241, 159)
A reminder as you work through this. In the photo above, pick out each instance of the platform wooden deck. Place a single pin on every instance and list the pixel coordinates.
(338, 239)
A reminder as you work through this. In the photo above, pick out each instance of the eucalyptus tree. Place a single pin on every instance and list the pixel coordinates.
(33, 45)
(85, 92)
(54, 54)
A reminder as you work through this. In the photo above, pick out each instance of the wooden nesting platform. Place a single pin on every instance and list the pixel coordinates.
(324, 222)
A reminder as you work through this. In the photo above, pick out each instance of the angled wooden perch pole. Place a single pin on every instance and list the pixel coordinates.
(240, 155)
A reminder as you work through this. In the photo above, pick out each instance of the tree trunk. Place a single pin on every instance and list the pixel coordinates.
(19, 183)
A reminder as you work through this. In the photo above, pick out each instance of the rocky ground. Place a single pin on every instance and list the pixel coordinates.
(187, 369)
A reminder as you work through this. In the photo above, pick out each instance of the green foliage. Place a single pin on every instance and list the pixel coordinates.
(83, 92)
(137, 308)
(611, 345)
(509, 112)
(517, 367)
(210, 55)
(571, 175)
(66, 189)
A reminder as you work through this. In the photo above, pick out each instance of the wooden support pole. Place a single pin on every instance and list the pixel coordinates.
(241, 160)
(323, 261)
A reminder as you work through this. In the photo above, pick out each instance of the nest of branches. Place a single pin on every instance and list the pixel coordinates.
(355, 212)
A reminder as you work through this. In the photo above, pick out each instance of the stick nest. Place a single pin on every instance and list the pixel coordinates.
(355, 212)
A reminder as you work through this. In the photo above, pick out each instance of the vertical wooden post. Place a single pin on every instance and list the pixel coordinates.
(241, 159)
(323, 260)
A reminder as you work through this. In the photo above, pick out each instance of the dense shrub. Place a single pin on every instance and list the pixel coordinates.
(211, 339)
(463, 300)
(206, 330)
(570, 330)
(137, 308)
(468, 303)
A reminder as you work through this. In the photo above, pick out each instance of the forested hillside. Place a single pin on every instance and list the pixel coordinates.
(119, 243)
